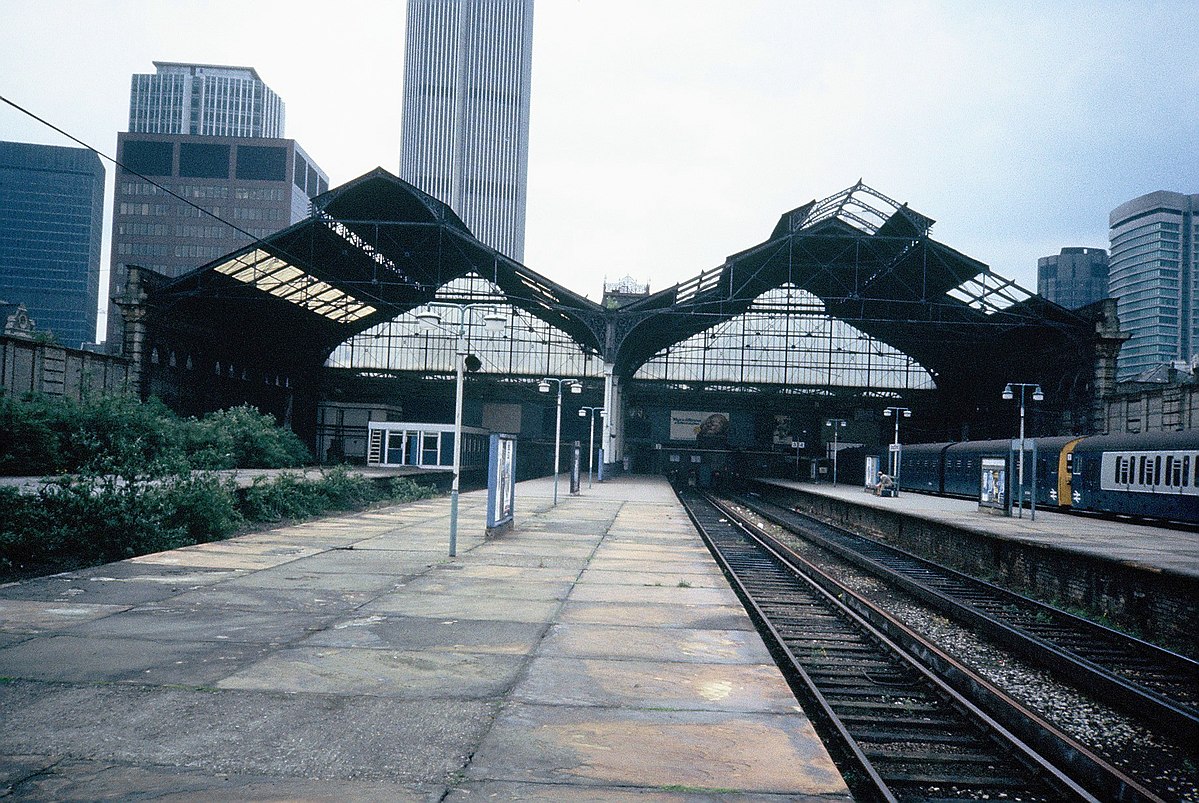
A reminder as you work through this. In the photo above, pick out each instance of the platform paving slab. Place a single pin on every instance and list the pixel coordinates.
(454, 635)
(66, 779)
(245, 733)
(700, 750)
(633, 643)
(75, 659)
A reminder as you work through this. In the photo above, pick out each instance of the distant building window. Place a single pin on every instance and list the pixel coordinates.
(197, 160)
(300, 172)
(148, 157)
(261, 163)
(311, 190)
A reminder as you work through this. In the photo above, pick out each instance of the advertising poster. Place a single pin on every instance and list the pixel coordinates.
(501, 484)
(688, 425)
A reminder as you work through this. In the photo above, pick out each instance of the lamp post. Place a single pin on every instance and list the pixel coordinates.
(544, 386)
(1037, 395)
(896, 412)
(590, 412)
(835, 423)
(493, 324)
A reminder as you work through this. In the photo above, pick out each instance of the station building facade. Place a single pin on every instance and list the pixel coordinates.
(786, 352)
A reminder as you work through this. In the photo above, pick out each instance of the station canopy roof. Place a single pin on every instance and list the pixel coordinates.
(873, 263)
(372, 249)
(378, 247)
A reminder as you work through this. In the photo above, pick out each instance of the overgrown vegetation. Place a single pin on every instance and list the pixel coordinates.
(128, 478)
(41, 436)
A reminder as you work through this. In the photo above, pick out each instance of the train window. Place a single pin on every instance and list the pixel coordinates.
(1174, 471)
(1141, 479)
(1186, 470)
(1157, 470)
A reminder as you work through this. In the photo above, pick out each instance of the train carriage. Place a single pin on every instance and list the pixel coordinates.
(955, 469)
(921, 467)
(1151, 475)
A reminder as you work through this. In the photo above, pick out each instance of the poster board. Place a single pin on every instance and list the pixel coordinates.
(501, 484)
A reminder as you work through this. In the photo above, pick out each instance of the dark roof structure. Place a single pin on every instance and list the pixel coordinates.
(378, 247)
(372, 249)
(873, 263)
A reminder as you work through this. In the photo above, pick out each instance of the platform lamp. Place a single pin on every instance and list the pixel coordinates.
(591, 412)
(1037, 395)
(897, 412)
(835, 423)
(493, 323)
(544, 387)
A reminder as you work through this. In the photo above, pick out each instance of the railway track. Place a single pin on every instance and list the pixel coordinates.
(1148, 682)
(901, 728)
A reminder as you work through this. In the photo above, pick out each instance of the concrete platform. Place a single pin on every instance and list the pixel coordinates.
(595, 653)
(1157, 548)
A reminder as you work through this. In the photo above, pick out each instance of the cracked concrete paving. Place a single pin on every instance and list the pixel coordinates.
(594, 653)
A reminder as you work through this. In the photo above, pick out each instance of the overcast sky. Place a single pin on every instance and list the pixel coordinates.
(668, 134)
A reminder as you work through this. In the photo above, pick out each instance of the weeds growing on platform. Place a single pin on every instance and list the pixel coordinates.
(90, 518)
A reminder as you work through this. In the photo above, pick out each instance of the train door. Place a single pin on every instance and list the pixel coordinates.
(1065, 471)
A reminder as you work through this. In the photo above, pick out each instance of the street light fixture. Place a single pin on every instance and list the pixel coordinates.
(1037, 395)
(544, 387)
(835, 423)
(897, 412)
(494, 324)
(585, 412)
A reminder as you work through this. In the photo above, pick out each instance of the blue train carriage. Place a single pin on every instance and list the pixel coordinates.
(1151, 475)
(962, 468)
(921, 467)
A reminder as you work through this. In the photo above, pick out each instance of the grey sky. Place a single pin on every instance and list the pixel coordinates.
(668, 134)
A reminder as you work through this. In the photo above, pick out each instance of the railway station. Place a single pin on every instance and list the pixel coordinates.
(789, 352)
(695, 618)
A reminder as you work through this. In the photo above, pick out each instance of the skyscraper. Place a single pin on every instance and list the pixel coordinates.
(204, 99)
(1153, 274)
(465, 126)
(197, 130)
(1074, 278)
(51, 223)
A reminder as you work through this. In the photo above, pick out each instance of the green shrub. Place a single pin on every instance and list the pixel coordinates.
(403, 489)
(28, 441)
(242, 437)
(203, 506)
(284, 496)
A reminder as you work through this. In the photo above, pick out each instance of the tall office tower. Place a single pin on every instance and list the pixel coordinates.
(204, 99)
(250, 186)
(1074, 278)
(465, 127)
(51, 224)
(1154, 270)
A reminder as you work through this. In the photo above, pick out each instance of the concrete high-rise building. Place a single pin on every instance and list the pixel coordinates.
(465, 126)
(204, 99)
(51, 224)
(1153, 272)
(1074, 278)
(256, 185)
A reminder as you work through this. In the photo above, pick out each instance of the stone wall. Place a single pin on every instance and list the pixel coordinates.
(30, 366)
